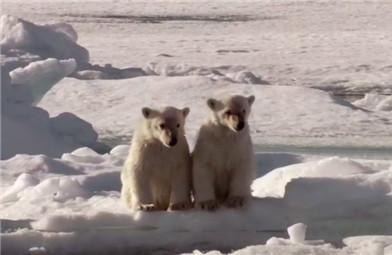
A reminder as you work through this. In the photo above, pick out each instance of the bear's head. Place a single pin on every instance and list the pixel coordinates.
(232, 111)
(166, 125)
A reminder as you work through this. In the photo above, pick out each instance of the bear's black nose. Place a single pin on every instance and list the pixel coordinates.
(240, 125)
(173, 141)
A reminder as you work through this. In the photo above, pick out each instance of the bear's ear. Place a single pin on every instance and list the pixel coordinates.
(185, 111)
(214, 104)
(148, 112)
(251, 99)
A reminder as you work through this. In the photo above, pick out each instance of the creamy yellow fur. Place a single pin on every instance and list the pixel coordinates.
(156, 176)
(223, 159)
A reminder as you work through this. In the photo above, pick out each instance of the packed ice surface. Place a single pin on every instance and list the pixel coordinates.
(336, 45)
(280, 115)
(65, 204)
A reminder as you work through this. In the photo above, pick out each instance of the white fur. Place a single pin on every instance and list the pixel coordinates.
(155, 174)
(223, 159)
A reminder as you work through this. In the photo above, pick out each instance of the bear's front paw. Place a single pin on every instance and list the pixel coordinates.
(180, 206)
(209, 205)
(235, 202)
(147, 207)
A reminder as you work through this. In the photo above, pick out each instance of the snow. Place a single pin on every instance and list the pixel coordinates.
(59, 196)
(375, 102)
(284, 248)
(56, 40)
(25, 127)
(37, 251)
(22, 182)
(376, 244)
(74, 200)
(30, 130)
(226, 73)
(273, 184)
(297, 233)
(281, 114)
(301, 43)
(39, 76)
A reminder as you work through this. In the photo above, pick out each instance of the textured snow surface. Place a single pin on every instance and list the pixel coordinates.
(65, 204)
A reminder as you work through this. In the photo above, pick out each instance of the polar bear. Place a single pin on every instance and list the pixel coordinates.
(223, 159)
(157, 172)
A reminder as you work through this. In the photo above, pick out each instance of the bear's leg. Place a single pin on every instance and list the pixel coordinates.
(126, 195)
(141, 191)
(180, 190)
(203, 184)
(240, 182)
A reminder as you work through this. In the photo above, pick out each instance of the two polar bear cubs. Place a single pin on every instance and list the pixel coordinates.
(160, 174)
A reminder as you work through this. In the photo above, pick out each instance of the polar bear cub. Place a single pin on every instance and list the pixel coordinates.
(223, 159)
(157, 173)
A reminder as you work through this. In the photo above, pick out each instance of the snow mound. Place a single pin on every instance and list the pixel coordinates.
(48, 41)
(60, 189)
(83, 155)
(30, 130)
(69, 125)
(297, 236)
(273, 184)
(25, 43)
(361, 195)
(375, 102)
(374, 244)
(333, 189)
(39, 76)
(39, 166)
(120, 151)
(22, 182)
(297, 233)
(28, 189)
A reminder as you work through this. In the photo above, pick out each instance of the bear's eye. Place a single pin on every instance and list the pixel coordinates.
(244, 111)
(178, 125)
(228, 112)
(161, 126)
